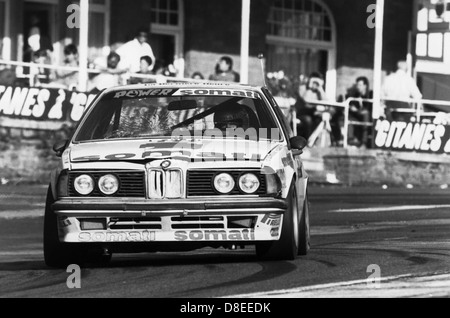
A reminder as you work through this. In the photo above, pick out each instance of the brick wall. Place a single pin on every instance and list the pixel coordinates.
(127, 16)
(26, 163)
(355, 41)
(213, 29)
(354, 167)
(27, 155)
(205, 62)
(27, 160)
(215, 26)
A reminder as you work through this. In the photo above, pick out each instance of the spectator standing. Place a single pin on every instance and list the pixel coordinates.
(132, 51)
(310, 115)
(110, 76)
(284, 97)
(37, 41)
(145, 69)
(399, 86)
(224, 71)
(68, 79)
(41, 76)
(360, 111)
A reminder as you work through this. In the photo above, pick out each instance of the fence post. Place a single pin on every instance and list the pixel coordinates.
(346, 123)
(84, 45)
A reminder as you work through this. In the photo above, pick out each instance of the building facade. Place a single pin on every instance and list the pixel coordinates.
(432, 47)
(332, 37)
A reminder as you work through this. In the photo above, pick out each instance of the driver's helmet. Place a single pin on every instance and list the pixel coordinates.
(232, 116)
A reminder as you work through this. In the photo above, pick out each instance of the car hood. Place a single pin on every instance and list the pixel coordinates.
(144, 150)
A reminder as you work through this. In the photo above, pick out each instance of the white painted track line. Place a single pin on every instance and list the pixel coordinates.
(435, 285)
(392, 209)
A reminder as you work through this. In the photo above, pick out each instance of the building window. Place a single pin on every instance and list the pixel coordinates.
(167, 38)
(302, 40)
(440, 11)
(165, 12)
(301, 19)
(432, 19)
(99, 28)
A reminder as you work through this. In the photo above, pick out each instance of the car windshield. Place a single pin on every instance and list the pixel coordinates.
(131, 117)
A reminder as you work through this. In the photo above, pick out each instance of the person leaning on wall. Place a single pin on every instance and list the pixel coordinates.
(397, 88)
(68, 79)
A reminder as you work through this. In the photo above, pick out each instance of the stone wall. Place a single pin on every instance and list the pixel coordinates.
(212, 29)
(32, 160)
(355, 167)
(27, 155)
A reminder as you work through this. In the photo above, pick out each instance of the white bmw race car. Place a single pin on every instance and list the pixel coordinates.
(178, 167)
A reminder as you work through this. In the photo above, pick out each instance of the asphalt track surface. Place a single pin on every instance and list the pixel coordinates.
(405, 232)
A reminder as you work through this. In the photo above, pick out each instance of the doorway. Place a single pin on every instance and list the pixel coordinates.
(302, 40)
(164, 48)
(39, 28)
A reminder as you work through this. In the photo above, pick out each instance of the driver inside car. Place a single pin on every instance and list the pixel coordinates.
(233, 116)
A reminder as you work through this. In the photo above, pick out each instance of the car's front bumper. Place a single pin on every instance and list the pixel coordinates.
(191, 220)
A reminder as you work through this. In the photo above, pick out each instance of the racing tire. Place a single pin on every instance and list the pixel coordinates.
(57, 254)
(288, 246)
(304, 232)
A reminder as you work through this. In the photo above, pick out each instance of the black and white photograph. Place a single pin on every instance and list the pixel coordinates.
(230, 156)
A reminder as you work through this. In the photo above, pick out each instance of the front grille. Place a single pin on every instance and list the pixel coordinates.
(135, 224)
(186, 223)
(200, 183)
(132, 183)
(165, 184)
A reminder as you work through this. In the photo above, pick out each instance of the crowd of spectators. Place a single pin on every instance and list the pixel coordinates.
(316, 117)
(131, 63)
(303, 99)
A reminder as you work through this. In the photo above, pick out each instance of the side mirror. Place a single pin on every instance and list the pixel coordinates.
(59, 147)
(298, 144)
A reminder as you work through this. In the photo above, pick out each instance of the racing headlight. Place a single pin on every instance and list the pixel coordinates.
(273, 184)
(108, 184)
(84, 184)
(224, 183)
(249, 183)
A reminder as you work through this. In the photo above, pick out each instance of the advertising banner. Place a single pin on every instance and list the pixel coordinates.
(42, 104)
(425, 137)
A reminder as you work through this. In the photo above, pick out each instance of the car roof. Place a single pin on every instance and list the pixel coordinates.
(186, 85)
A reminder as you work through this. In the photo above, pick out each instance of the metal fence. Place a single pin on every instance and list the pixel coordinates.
(416, 107)
(416, 110)
(125, 76)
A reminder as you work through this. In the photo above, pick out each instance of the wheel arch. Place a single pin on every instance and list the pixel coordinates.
(54, 176)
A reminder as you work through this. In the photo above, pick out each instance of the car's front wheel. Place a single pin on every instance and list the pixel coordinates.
(56, 254)
(287, 248)
(304, 238)
(60, 255)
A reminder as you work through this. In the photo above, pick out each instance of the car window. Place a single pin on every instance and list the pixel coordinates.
(122, 118)
(279, 113)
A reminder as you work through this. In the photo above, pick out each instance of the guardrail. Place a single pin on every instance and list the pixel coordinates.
(417, 105)
(126, 75)
(325, 123)
(416, 109)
